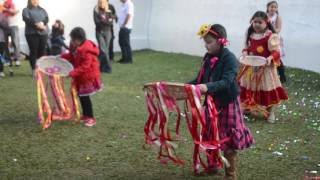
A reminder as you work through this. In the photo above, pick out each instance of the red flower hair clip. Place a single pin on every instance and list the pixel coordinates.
(223, 41)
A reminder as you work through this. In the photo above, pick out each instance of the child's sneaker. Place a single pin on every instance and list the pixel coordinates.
(18, 63)
(272, 118)
(83, 118)
(2, 75)
(90, 122)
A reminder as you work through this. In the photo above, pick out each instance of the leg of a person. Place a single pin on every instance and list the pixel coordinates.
(1, 66)
(127, 45)
(281, 72)
(15, 41)
(103, 40)
(33, 43)
(111, 53)
(107, 39)
(121, 43)
(86, 105)
(42, 46)
(102, 59)
(2, 49)
(231, 171)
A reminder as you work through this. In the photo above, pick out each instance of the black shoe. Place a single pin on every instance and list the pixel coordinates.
(120, 60)
(108, 72)
(125, 62)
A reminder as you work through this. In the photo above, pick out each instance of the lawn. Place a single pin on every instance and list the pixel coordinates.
(113, 148)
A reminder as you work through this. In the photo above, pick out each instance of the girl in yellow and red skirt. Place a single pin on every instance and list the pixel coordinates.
(261, 88)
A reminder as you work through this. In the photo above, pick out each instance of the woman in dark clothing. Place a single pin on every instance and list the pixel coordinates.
(36, 31)
(103, 19)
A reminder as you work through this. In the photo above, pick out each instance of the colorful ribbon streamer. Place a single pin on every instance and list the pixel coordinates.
(53, 102)
(157, 132)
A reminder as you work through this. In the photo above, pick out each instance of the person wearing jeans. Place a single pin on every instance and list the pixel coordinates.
(3, 28)
(12, 13)
(36, 31)
(103, 18)
(126, 22)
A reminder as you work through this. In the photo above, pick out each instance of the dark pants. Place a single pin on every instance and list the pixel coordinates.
(104, 38)
(2, 50)
(111, 52)
(124, 42)
(86, 106)
(37, 46)
(281, 72)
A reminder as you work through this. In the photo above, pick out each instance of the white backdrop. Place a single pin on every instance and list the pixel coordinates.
(174, 25)
(171, 25)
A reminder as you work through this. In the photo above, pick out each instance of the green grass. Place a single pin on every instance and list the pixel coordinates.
(113, 148)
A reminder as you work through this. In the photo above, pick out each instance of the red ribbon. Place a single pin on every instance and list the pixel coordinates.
(159, 103)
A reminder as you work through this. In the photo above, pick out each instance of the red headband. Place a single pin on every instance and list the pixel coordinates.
(214, 33)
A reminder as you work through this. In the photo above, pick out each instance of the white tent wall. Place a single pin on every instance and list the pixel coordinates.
(80, 13)
(174, 25)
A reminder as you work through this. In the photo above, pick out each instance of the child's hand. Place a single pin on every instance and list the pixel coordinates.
(203, 88)
(244, 53)
(269, 60)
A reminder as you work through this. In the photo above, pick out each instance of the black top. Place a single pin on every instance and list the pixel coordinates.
(221, 80)
(34, 15)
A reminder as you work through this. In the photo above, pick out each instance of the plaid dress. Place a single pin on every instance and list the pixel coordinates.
(230, 122)
(231, 125)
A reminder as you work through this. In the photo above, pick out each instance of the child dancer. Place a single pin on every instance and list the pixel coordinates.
(261, 87)
(57, 39)
(86, 74)
(217, 78)
(276, 21)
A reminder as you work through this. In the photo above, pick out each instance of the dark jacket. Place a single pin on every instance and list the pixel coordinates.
(104, 20)
(57, 42)
(35, 15)
(4, 27)
(221, 80)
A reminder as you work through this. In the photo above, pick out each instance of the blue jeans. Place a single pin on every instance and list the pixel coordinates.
(124, 42)
(104, 38)
(14, 34)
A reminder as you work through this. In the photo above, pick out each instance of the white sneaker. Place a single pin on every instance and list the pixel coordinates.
(18, 63)
(272, 118)
(2, 74)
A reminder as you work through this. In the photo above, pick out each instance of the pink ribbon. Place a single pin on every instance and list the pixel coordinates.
(223, 41)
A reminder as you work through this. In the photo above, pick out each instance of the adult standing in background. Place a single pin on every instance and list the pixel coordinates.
(111, 52)
(12, 13)
(36, 31)
(3, 30)
(103, 19)
(126, 22)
